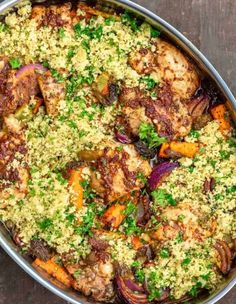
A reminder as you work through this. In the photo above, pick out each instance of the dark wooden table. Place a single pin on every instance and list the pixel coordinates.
(210, 25)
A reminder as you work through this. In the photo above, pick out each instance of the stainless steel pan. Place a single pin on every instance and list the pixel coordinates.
(178, 39)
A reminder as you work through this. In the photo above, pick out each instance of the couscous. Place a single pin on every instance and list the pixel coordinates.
(117, 159)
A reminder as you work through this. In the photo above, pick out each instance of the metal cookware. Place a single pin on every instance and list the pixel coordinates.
(178, 39)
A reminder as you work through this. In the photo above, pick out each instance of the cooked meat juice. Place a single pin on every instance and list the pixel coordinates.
(117, 172)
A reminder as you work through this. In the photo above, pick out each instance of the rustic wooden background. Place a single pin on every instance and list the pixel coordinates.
(210, 25)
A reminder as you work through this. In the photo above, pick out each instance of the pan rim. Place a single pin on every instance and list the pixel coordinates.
(198, 56)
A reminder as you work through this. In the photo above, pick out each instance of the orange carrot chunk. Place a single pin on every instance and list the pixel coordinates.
(39, 102)
(136, 242)
(164, 148)
(55, 270)
(186, 149)
(75, 182)
(114, 215)
(221, 114)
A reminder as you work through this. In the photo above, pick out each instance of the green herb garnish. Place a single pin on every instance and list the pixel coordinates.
(164, 253)
(149, 82)
(15, 63)
(162, 198)
(149, 136)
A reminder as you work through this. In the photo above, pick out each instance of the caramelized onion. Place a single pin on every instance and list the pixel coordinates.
(29, 69)
(159, 172)
(133, 286)
(123, 138)
(208, 185)
(198, 105)
(225, 256)
(127, 295)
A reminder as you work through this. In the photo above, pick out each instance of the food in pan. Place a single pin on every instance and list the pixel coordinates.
(117, 156)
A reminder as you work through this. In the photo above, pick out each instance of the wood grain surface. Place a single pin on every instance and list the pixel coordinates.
(210, 25)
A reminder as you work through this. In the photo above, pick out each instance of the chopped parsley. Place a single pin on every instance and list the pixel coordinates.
(149, 136)
(194, 134)
(88, 192)
(149, 82)
(130, 226)
(45, 224)
(130, 209)
(3, 27)
(195, 289)
(231, 189)
(58, 76)
(179, 238)
(232, 142)
(140, 276)
(70, 217)
(225, 154)
(61, 32)
(87, 222)
(15, 63)
(127, 18)
(186, 262)
(154, 32)
(164, 253)
(141, 177)
(162, 198)
(109, 20)
(92, 33)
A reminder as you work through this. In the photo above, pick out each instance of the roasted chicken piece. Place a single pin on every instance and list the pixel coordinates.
(53, 92)
(183, 220)
(116, 173)
(54, 15)
(142, 61)
(169, 115)
(13, 172)
(17, 86)
(175, 69)
(94, 280)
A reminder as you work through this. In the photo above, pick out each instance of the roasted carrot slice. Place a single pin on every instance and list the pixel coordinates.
(75, 182)
(136, 242)
(114, 215)
(163, 149)
(55, 270)
(186, 149)
(221, 114)
(39, 102)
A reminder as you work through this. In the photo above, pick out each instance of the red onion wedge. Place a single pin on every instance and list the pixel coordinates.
(123, 138)
(133, 286)
(127, 295)
(225, 255)
(159, 172)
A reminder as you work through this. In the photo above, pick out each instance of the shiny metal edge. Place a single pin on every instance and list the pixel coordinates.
(205, 64)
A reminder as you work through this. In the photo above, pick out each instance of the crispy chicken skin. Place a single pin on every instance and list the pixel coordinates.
(54, 15)
(169, 115)
(189, 227)
(134, 118)
(170, 65)
(12, 148)
(15, 90)
(116, 174)
(52, 92)
(142, 61)
(94, 280)
(174, 69)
